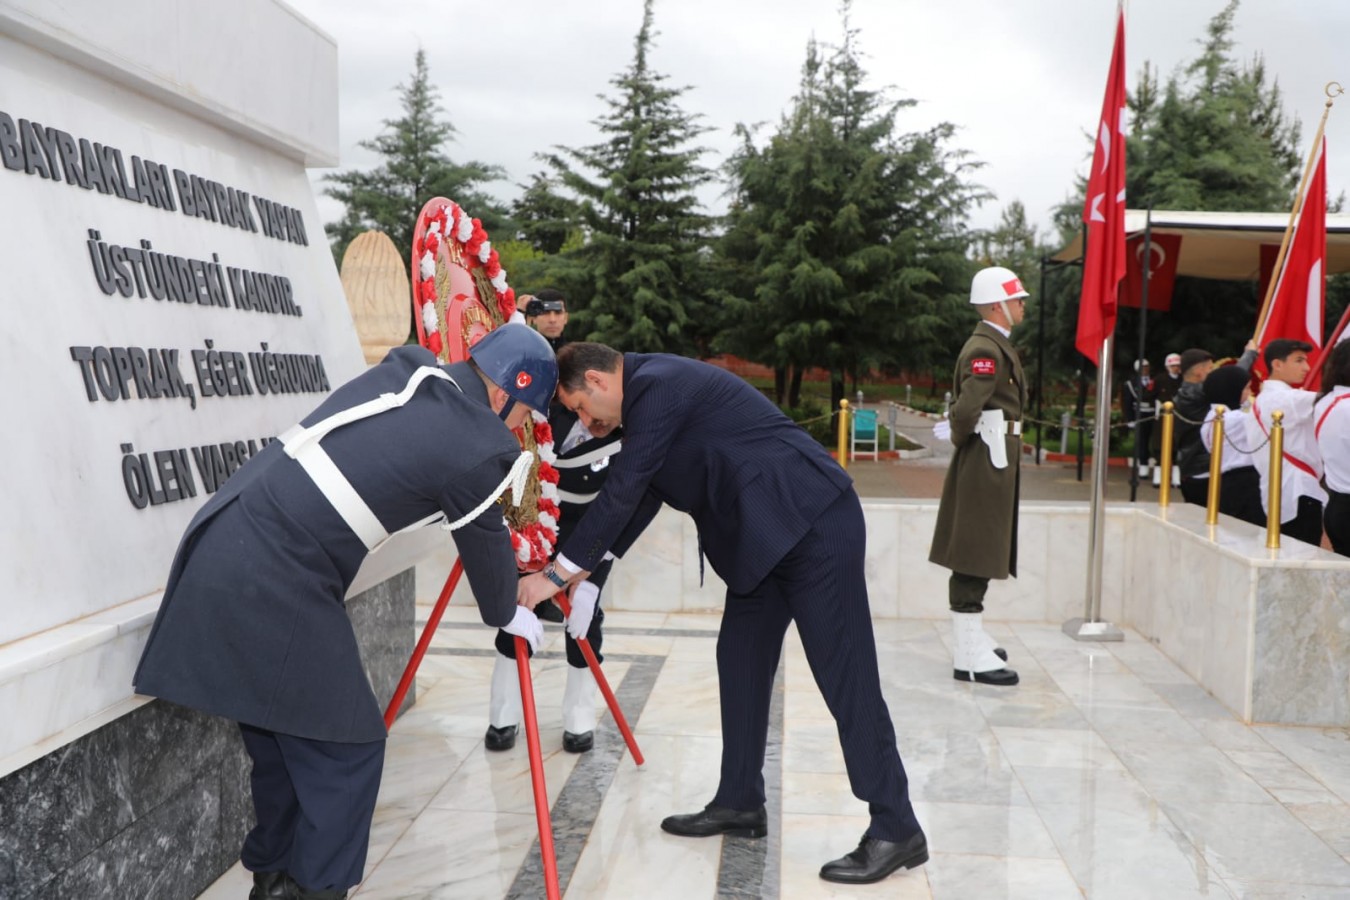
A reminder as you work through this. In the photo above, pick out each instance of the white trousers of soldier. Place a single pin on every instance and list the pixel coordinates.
(505, 709)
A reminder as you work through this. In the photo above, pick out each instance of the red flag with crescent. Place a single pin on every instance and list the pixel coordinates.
(1299, 302)
(1162, 264)
(1104, 212)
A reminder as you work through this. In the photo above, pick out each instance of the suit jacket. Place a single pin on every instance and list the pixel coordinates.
(582, 471)
(253, 625)
(706, 443)
(976, 531)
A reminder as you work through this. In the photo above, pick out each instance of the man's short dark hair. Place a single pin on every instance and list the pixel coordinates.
(1193, 357)
(576, 359)
(1283, 348)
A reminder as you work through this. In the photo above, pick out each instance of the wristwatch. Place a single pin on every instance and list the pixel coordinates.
(552, 575)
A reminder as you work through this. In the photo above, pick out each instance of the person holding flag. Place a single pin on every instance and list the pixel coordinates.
(1301, 493)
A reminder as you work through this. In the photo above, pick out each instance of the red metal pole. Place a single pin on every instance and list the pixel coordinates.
(410, 671)
(586, 651)
(546, 853)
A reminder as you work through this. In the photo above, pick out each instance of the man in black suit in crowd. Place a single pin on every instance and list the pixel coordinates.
(781, 524)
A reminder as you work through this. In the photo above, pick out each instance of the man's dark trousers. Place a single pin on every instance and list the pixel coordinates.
(819, 584)
(314, 801)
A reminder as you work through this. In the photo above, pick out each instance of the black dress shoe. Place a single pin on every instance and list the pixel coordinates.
(272, 886)
(1001, 653)
(713, 820)
(332, 894)
(500, 738)
(1003, 677)
(548, 611)
(875, 859)
(578, 743)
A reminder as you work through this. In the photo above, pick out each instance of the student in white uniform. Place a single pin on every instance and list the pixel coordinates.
(1301, 494)
(1240, 487)
(1331, 428)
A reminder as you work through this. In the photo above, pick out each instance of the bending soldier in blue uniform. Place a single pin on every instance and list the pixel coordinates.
(781, 524)
(253, 627)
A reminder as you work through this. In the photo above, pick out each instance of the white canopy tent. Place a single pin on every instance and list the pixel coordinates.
(1224, 245)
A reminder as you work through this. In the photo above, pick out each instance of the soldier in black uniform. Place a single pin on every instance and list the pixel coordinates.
(582, 464)
(253, 625)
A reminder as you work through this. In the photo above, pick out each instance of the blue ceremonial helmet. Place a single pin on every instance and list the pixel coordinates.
(520, 361)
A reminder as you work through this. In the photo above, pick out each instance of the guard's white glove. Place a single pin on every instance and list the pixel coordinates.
(583, 609)
(527, 625)
(942, 429)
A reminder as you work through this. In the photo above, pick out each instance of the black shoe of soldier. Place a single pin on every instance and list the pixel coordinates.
(500, 738)
(1001, 677)
(548, 612)
(578, 743)
(714, 820)
(272, 886)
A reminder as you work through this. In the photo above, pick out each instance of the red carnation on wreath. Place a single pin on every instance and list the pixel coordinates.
(457, 276)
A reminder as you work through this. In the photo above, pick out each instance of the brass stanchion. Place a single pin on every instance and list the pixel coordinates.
(1276, 473)
(843, 433)
(1215, 468)
(1165, 486)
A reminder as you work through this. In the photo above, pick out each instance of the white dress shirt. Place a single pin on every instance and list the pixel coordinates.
(1302, 467)
(1331, 422)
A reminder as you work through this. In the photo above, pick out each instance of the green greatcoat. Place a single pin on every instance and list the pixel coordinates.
(976, 531)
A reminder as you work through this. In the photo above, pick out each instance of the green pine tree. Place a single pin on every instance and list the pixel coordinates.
(850, 231)
(415, 168)
(637, 281)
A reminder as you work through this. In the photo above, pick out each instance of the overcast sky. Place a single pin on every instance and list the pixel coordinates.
(1021, 79)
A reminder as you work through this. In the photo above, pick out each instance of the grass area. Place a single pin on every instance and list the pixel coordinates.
(1120, 446)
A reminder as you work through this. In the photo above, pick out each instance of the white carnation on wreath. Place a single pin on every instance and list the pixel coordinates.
(429, 322)
(427, 267)
(500, 282)
(548, 522)
(484, 252)
(465, 228)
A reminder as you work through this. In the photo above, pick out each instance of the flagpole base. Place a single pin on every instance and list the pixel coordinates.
(1083, 630)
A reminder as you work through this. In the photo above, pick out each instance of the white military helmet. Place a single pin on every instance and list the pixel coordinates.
(995, 285)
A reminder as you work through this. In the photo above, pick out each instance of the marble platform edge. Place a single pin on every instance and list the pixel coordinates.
(110, 641)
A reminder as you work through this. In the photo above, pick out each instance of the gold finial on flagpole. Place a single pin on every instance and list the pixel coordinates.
(1333, 90)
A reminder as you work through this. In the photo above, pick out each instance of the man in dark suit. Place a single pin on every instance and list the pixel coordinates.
(253, 627)
(780, 523)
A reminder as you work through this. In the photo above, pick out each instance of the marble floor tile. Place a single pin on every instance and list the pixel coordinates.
(961, 877)
(1107, 773)
(1060, 747)
(1259, 842)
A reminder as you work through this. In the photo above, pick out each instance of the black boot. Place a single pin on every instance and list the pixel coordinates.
(548, 611)
(272, 886)
(578, 743)
(500, 738)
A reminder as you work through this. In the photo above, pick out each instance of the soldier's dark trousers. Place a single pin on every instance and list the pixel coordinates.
(314, 802)
(820, 585)
(1307, 525)
(966, 593)
(1337, 521)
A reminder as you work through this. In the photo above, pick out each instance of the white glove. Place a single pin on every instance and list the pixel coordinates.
(583, 609)
(942, 430)
(527, 625)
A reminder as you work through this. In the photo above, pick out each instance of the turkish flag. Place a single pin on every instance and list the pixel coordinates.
(1104, 212)
(1162, 263)
(1298, 304)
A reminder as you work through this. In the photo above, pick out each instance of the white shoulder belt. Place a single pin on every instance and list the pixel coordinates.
(302, 445)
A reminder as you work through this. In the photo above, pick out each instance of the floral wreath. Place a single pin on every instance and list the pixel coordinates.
(451, 318)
